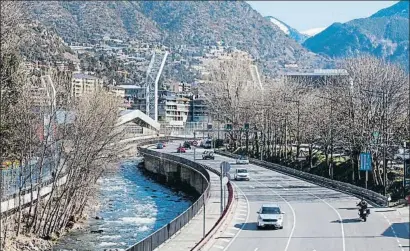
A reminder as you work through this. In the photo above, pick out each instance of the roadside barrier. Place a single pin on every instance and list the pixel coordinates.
(160, 236)
(360, 192)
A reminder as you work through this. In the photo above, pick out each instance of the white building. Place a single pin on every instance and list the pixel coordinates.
(85, 84)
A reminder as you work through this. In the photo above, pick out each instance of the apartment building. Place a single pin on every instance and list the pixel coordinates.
(199, 110)
(83, 84)
(133, 96)
(173, 108)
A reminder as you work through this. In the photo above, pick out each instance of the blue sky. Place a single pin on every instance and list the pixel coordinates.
(304, 15)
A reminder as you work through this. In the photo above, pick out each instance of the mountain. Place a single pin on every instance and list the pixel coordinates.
(312, 32)
(194, 24)
(44, 45)
(291, 32)
(384, 35)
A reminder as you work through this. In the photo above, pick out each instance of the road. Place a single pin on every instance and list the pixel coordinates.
(316, 218)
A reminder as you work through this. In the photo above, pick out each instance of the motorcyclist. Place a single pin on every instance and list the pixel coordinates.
(363, 206)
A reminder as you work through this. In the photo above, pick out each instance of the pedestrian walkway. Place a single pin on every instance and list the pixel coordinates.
(192, 233)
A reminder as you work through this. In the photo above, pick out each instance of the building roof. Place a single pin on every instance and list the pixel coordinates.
(79, 75)
(138, 115)
(129, 87)
(319, 72)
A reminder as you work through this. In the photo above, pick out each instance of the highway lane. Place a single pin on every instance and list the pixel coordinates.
(316, 218)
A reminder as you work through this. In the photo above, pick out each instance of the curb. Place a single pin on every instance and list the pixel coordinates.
(224, 223)
(202, 243)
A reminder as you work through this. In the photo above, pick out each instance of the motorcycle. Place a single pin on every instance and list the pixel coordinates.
(364, 214)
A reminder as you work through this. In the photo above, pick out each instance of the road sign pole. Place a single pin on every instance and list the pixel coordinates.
(221, 191)
(223, 196)
(367, 177)
(194, 153)
(203, 229)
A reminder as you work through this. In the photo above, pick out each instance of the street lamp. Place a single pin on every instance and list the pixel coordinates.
(297, 136)
(331, 133)
(384, 131)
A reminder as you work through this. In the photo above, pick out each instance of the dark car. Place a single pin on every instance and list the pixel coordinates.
(208, 155)
(187, 145)
(160, 146)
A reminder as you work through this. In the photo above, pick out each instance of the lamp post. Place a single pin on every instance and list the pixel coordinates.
(384, 132)
(331, 134)
(298, 123)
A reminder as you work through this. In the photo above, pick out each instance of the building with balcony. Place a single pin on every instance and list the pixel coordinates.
(173, 108)
(133, 96)
(180, 87)
(199, 110)
(83, 84)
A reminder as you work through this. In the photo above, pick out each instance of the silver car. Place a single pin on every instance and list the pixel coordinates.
(241, 174)
(242, 160)
(270, 215)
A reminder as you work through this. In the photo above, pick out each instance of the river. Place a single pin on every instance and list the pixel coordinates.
(133, 206)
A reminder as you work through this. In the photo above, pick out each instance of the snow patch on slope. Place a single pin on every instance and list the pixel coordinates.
(280, 25)
(312, 32)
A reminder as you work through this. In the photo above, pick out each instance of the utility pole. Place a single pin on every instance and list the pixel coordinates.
(286, 137)
(298, 124)
(331, 139)
(384, 132)
(384, 120)
(331, 134)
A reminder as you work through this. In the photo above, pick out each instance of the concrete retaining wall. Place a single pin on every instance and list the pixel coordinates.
(175, 174)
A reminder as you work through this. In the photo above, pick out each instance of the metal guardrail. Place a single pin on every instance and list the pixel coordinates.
(11, 181)
(372, 196)
(157, 238)
(16, 177)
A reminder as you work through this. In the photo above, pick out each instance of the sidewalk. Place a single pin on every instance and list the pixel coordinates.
(192, 233)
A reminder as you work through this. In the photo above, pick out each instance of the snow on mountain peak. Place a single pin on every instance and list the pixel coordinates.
(312, 32)
(281, 25)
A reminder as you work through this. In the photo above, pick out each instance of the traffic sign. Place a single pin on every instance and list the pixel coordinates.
(195, 143)
(376, 134)
(209, 127)
(246, 126)
(365, 162)
(228, 126)
(407, 168)
(225, 166)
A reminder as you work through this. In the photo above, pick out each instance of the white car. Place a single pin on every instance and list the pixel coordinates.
(270, 215)
(241, 174)
(242, 160)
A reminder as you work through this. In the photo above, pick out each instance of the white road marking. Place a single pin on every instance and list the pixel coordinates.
(240, 218)
(225, 240)
(293, 212)
(242, 214)
(338, 214)
(220, 247)
(243, 225)
(256, 249)
(229, 233)
(394, 232)
(243, 210)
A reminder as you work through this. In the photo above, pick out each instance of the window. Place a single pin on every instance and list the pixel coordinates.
(270, 210)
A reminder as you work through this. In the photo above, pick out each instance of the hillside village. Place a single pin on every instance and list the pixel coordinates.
(180, 103)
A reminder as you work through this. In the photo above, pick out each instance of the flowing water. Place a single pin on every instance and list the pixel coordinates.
(133, 206)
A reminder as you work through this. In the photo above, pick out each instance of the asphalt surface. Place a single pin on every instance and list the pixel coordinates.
(316, 218)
